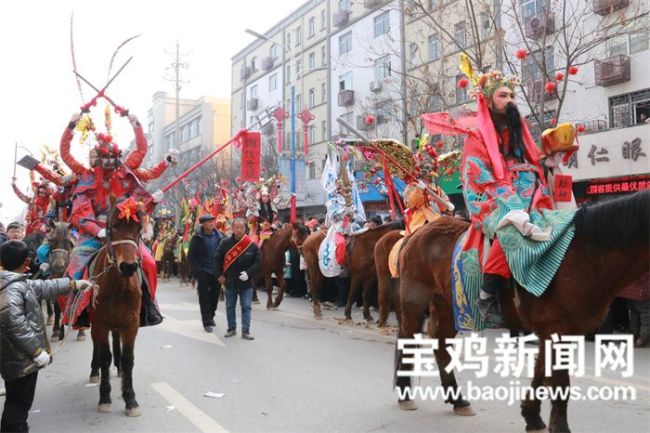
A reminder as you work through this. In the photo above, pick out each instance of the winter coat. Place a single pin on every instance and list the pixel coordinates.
(203, 252)
(248, 261)
(22, 329)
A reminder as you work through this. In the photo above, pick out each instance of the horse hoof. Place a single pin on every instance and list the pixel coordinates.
(370, 320)
(94, 379)
(464, 411)
(104, 407)
(81, 338)
(407, 405)
(134, 411)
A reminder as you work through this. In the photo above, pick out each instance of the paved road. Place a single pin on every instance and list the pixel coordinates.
(299, 375)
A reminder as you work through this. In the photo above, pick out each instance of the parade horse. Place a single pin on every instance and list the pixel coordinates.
(309, 250)
(609, 251)
(61, 244)
(273, 259)
(116, 304)
(387, 288)
(169, 256)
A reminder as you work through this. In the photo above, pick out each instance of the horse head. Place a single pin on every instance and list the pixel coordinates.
(61, 243)
(299, 232)
(123, 234)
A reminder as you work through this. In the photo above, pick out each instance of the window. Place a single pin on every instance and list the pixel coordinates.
(288, 77)
(345, 81)
(323, 127)
(531, 8)
(382, 67)
(323, 88)
(459, 35)
(345, 43)
(382, 24)
(288, 39)
(298, 102)
(344, 5)
(254, 64)
(413, 50)
(434, 47)
(312, 60)
(627, 110)
(185, 133)
(461, 94)
(298, 35)
(311, 26)
(298, 67)
(432, 4)
(383, 113)
(530, 66)
(628, 44)
(311, 135)
(193, 128)
(273, 82)
(198, 125)
(485, 24)
(343, 131)
(323, 55)
(322, 19)
(254, 91)
(273, 52)
(312, 98)
(312, 170)
(434, 104)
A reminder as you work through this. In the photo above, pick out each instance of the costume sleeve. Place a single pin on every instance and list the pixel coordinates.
(64, 150)
(21, 195)
(83, 216)
(155, 172)
(135, 157)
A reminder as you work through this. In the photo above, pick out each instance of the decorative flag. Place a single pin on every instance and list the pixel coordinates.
(250, 156)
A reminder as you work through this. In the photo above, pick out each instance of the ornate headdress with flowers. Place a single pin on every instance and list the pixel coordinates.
(485, 82)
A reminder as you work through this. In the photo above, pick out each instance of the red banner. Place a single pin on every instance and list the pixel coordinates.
(563, 187)
(250, 156)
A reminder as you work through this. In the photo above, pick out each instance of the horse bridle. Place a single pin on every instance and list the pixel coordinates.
(110, 244)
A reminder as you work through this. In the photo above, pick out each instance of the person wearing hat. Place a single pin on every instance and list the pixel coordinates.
(202, 256)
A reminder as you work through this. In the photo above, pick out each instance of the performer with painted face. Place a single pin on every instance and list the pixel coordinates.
(37, 205)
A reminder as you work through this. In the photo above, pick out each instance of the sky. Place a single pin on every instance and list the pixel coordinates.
(39, 92)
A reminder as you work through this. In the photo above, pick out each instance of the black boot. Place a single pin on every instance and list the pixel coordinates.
(490, 308)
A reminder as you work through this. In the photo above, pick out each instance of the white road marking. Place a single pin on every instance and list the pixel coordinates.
(195, 415)
(190, 329)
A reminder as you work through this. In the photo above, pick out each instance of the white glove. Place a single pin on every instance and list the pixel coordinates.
(44, 268)
(81, 285)
(422, 185)
(243, 276)
(133, 120)
(171, 156)
(75, 118)
(521, 220)
(101, 234)
(158, 196)
(42, 359)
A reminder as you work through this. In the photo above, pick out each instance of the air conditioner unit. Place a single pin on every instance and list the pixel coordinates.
(375, 86)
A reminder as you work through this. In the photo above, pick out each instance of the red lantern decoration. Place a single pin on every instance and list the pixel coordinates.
(370, 119)
(462, 83)
(521, 53)
(550, 87)
(573, 70)
(559, 76)
(580, 128)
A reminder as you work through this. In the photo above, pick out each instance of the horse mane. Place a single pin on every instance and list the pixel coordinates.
(398, 224)
(34, 240)
(615, 223)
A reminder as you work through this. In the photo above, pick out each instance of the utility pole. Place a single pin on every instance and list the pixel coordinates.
(174, 76)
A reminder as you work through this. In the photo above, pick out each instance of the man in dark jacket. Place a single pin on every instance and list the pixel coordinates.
(202, 256)
(24, 348)
(238, 259)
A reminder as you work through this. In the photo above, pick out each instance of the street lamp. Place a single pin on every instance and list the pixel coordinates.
(292, 113)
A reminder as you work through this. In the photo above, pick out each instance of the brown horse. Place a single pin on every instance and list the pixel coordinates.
(361, 265)
(309, 251)
(387, 289)
(61, 243)
(273, 259)
(184, 268)
(169, 256)
(116, 307)
(609, 251)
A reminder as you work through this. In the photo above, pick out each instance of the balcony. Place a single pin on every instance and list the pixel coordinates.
(614, 70)
(371, 4)
(606, 7)
(346, 98)
(362, 125)
(539, 25)
(593, 126)
(251, 104)
(267, 63)
(341, 17)
(245, 72)
(536, 92)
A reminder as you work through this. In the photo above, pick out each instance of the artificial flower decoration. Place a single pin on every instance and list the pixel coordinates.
(573, 70)
(129, 209)
(559, 76)
(370, 119)
(462, 83)
(550, 87)
(521, 53)
(580, 128)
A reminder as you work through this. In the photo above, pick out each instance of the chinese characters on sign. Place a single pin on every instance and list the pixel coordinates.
(250, 156)
(619, 186)
(593, 155)
(513, 358)
(632, 150)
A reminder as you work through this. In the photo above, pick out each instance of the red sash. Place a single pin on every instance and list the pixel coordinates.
(236, 251)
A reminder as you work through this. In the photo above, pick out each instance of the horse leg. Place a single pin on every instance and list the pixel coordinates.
(282, 284)
(50, 311)
(558, 423)
(413, 310)
(128, 394)
(531, 406)
(268, 286)
(57, 322)
(254, 283)
(367, 286)
(394, 290)
(383, 296)
(315, 283)
(100, 342)
(352, 294)
(81, 335)
(441, 327)
(117, 352)
(95, 363)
